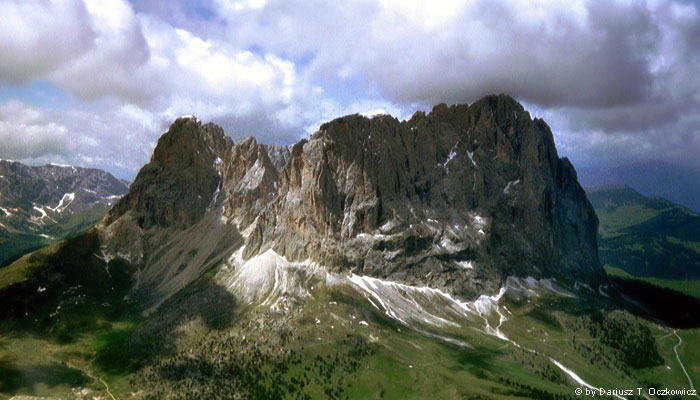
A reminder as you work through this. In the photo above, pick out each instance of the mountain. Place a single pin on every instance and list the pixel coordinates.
(677, 183)
(452, 255)
(646, 236)
(459, 199)
(40, 205)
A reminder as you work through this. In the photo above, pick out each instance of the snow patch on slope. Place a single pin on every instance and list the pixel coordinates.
(40, 220)
(450, 157)
(214, 198)
(577, 378)
(509, 185)
(414, 305)
(465, 264)
(66, 200)
(471, 158)
(254, 176)
(269, 279)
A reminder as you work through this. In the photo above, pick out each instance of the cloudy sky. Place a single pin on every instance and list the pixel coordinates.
(95, 82)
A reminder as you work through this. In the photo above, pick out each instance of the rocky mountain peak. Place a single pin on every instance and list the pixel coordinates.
(479, 184)
(250, 181)
(459, 198)
(188, 141)
(176, 186)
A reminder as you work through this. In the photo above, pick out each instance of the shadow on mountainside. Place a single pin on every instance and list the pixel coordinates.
(67, 294)
(64, 290)
(666, 306)
(204, 304)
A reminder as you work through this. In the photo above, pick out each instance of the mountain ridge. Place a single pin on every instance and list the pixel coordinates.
(42, 204)
(676, 182)
(646, 236)
(414, 201)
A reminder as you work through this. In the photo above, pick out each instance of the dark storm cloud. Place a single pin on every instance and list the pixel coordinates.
(583, 54)
(594, 60)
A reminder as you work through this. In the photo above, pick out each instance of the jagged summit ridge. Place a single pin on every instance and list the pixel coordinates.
(458, 199)
(174, 188)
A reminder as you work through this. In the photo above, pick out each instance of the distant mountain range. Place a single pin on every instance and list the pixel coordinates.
(43, 204)
(646, 236)
(677, 183)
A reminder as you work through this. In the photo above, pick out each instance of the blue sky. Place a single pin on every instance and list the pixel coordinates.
(95, 82)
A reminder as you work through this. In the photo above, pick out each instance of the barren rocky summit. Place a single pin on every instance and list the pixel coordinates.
(457, 199)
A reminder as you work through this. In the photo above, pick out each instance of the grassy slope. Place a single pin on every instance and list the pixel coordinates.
(15, 244)
(690, 350)
(62, 307)
(593, 360)
(648, 238)
(405, 363)
(186, 349)
(203, 344)
(343, 358)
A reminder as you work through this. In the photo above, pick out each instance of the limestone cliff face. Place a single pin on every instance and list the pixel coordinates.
(279, 154)
(175, 187)
(459, 198)
(250, 182)
(165, 223)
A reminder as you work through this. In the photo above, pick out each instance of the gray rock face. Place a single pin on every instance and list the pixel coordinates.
(279, 154)
(250, 181)
(457, 199)
(168, 223)
(176, 186)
